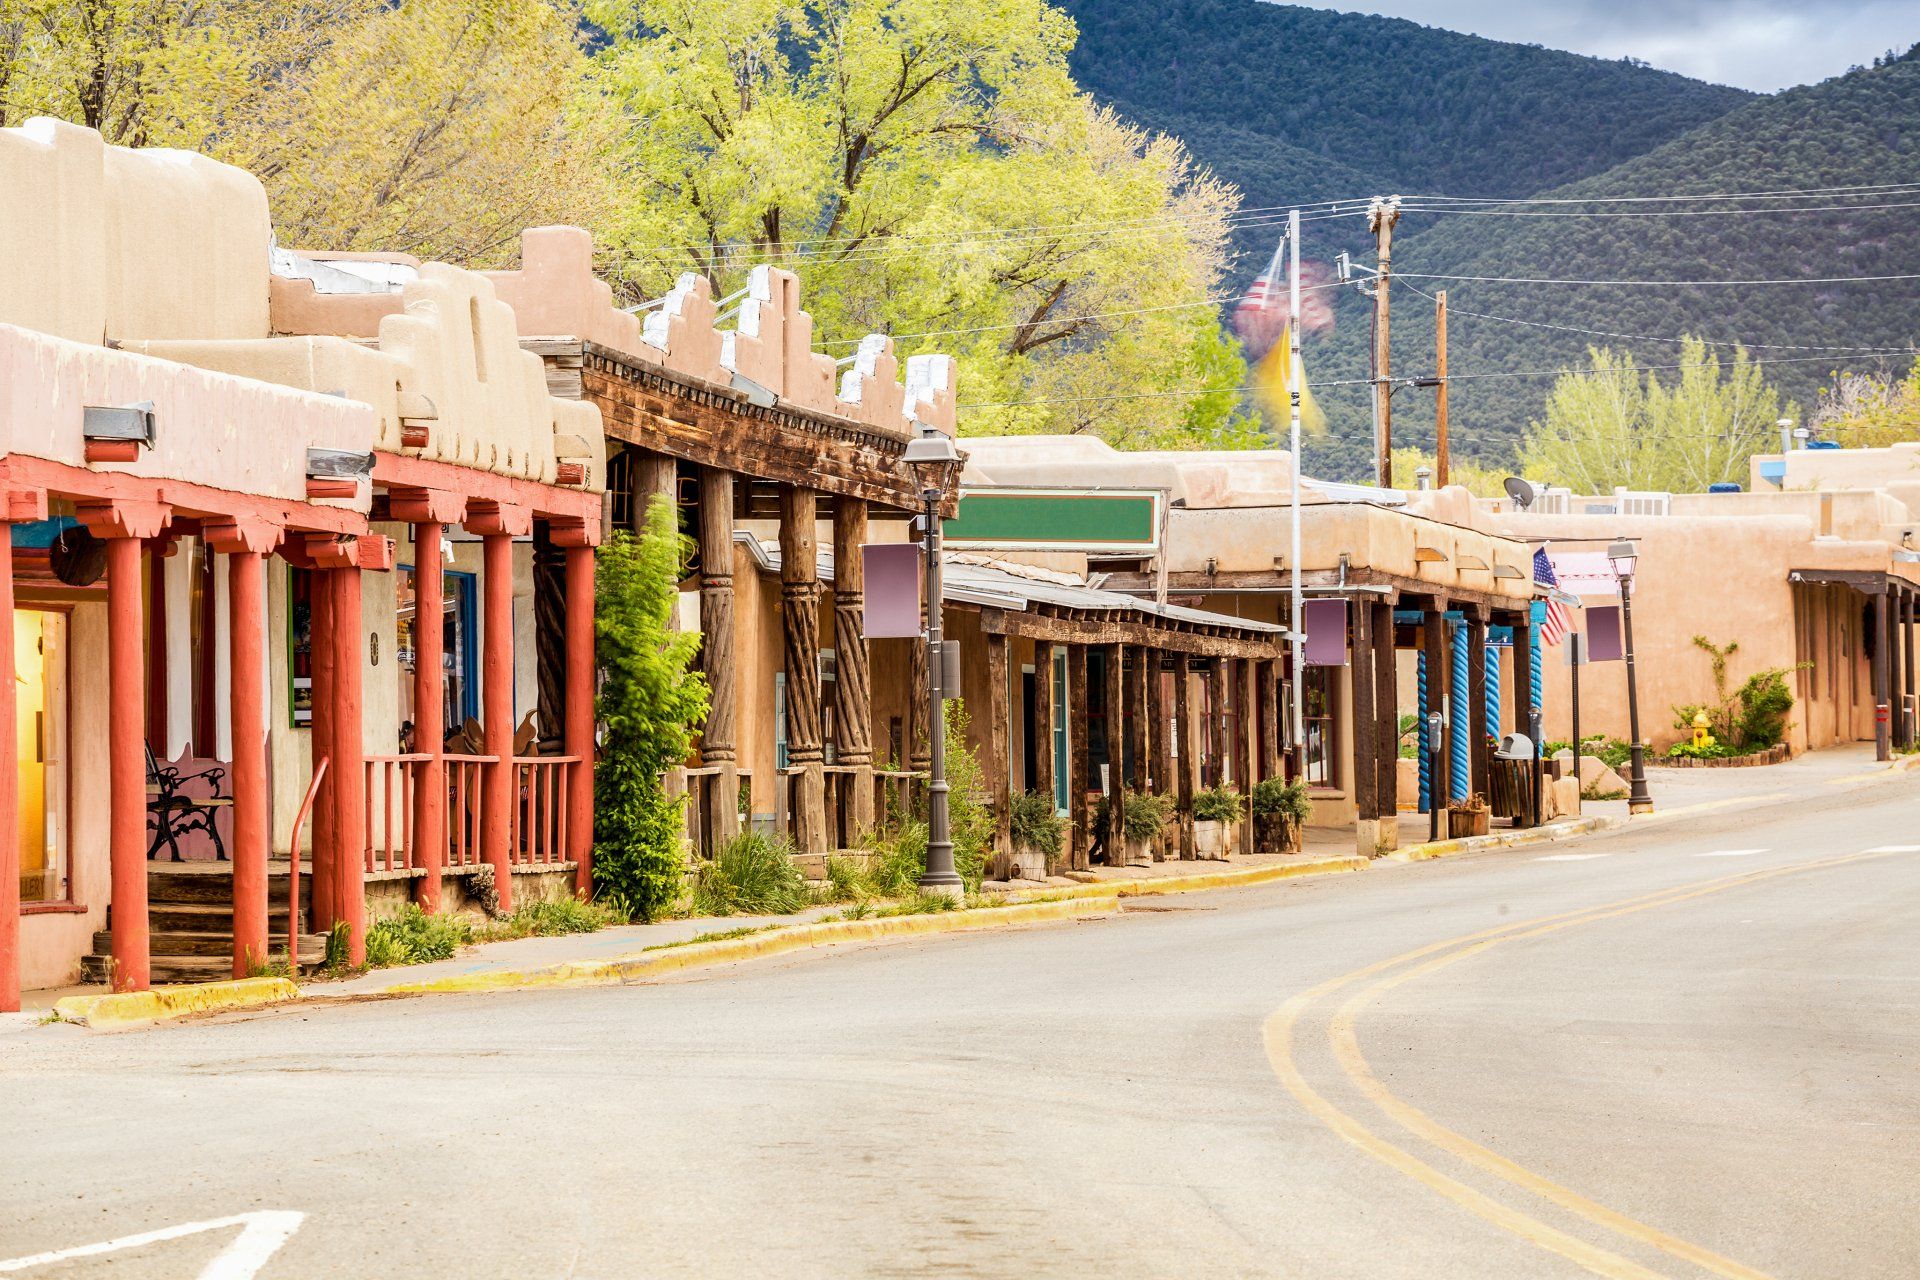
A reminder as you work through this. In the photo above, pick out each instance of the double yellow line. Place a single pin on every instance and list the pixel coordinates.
(1280, 1032)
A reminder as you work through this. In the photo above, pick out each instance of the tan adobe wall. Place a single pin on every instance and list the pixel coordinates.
(1203, 478)
(210, 427)
(1840, 468)
(108, 242)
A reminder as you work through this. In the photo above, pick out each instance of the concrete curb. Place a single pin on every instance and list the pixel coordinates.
(138, 1008)
(1545, 834)
(776, 941)
(1199, 881)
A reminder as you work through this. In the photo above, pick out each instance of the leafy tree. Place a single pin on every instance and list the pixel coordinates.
(1605, 428)
(1868, 410)
(651, 701)
(928, 169)
(1481, 481)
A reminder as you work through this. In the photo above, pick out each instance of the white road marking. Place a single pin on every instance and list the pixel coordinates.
(1568, 857)
(262, 1234)
(1729, 853)
(1894, 848)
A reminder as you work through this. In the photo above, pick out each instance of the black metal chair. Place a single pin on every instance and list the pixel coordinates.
(173, 813)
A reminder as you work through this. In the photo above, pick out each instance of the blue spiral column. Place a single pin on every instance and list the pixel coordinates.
(1458, 727)
(1493, 693)
(1533, 647)
(1426, 760)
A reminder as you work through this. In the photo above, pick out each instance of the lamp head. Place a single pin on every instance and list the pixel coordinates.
(1623, 554)
(933, 459)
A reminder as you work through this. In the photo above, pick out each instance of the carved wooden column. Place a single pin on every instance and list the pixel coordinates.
(800, 610)
(1247, 748)
(1159, 774)
(721, 818)
(1386, 692)
(852, 688)
(1187, 745)
(1000, 743)
(1043, 719)
(1133, 722)
(655, 475)
(1080, 777)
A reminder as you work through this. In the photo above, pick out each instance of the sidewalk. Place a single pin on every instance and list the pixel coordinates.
(1328, 850)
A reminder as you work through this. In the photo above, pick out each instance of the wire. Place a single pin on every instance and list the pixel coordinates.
(1650, 213)
(1776, 193)
(1663, 284)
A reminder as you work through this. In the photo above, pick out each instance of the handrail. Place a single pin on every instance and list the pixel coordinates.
(293, 869)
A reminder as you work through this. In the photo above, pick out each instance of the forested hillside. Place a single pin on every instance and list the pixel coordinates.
(1861, 128)
(1296, 105)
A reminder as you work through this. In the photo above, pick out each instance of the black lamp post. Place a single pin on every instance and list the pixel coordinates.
(933, 459)
(1623, 554)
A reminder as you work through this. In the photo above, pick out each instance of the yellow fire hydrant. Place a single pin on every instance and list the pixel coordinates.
(1700, 726)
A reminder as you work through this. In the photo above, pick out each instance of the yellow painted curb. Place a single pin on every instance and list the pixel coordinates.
(699, 955)
(137, 1008)
(1545, 834)
(1197, 882)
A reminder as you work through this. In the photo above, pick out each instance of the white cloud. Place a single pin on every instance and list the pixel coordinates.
(1755, 44)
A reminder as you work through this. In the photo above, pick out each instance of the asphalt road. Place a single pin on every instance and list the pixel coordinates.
(1682, 1050)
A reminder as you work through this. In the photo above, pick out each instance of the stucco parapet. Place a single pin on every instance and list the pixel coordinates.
(212, 428)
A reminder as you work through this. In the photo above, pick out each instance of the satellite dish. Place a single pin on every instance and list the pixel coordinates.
(76, 557)
(1523, 494)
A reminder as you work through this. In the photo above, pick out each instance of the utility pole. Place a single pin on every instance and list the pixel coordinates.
(1440, 393)
(1381, 217)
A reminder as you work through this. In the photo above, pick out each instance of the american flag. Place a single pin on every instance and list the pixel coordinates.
(1262, 314)
(1558, 620)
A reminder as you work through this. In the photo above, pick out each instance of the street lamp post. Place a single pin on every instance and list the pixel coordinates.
(1623, 555)
(932, 458)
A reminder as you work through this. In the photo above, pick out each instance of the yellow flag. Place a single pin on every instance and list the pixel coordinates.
(1270, 388)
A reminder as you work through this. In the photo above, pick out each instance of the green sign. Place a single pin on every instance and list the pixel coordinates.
(1101, 522)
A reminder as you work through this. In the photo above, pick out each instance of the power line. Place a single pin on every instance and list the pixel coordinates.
(1777, 193)
(1662, 284)
(1650, 213)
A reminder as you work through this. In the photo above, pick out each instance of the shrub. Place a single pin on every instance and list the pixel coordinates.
(752, 874)
(1218, 804)
(1142, 815)
(1714, 749)
(651, 701)
(898, 861)
(414, 937)
(1764, 704)
(551, 919)
(969, 811)
(1036, 825)
(1276, 797)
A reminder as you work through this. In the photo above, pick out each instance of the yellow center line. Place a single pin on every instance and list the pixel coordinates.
(1278, 1035)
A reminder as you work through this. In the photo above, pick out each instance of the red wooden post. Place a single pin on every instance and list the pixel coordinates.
(349, 765)
(19, 505)
(123, 524)
(429, 833)
(580, 716)
(498, 524)
(246, 544)
(321, 702)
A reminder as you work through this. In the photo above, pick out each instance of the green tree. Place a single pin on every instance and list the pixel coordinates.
(928, 169)
(651, 701)
(1604, 427)
(1869, 410)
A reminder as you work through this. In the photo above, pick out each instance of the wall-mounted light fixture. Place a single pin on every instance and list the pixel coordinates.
(117, 433)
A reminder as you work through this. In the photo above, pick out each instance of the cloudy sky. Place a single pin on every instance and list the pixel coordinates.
(1755, 44)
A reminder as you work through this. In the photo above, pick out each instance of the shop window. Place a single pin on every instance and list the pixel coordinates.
(459, 652)
(1322, 696)
(40, 729)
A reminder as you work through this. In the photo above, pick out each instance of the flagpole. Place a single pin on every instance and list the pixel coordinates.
(1295, 383)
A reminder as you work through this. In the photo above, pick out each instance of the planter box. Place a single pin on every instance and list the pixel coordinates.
(1275, 835)
(1139, 852)
(1028, 863)
(1212, 839)
(1772, 755)
(1466, 822)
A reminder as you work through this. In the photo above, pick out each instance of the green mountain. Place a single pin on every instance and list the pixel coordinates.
(1856, 129)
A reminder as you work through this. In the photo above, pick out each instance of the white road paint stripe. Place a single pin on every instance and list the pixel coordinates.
(1729, 853)
(262, 1234)
(1894, 848)
(1569, 857)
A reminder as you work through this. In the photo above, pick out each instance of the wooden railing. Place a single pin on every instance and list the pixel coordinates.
(391, 784)
(701, 781)
(464, 784)
(539, 834)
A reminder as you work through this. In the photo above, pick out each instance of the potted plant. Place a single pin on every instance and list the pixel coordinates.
(1467, 817)
(1141, 818)
(1215, 810)
(1038, 834)
(1280, 812)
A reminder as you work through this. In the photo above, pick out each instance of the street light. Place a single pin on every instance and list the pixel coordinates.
(934, 461)
(1623, 554)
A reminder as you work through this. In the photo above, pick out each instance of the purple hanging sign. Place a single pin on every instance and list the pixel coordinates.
(1603, 633)
(1326, 626)
(893, 589)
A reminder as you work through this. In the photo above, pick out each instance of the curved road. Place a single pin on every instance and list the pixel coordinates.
(1682, 1050)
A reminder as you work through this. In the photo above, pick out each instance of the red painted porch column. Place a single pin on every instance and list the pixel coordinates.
(579, 537)
(123, 524)
(320, 738)
(246, 544)
(19, 505)
(498, 524)
(429, 512)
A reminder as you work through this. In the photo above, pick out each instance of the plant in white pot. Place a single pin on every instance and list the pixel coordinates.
(1215, 811)
(1280, 812)
(1038, 835)
(1142, 818)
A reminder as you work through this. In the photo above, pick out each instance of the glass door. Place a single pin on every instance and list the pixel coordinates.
(40, 725)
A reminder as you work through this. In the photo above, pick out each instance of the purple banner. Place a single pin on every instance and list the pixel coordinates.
(1603, 633)
(893, 589)
(1326, 626)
